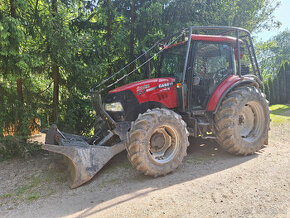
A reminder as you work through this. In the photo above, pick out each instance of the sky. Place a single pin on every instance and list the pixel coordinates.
(281, 14)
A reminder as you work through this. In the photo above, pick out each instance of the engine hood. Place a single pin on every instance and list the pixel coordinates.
(139, 96)
(144, 86)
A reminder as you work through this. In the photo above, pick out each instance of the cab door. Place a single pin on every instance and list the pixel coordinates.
(212, 63)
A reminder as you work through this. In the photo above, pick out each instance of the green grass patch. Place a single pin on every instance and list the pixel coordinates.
(22, 189)
(112, 181)
(9, 195)
(280, 113)
(117, 167)
(29, 192)
(32, 197)
(25, 189)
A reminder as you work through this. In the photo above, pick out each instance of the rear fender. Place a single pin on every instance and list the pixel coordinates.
(225, 87)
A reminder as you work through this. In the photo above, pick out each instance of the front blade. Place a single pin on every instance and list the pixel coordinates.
(86, 161)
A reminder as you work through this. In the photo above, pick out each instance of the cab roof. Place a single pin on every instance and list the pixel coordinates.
(210, 38)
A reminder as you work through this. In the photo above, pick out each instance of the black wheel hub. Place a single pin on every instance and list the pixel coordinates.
(157, 142)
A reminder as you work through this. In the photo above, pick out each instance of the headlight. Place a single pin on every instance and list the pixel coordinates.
(115, 106)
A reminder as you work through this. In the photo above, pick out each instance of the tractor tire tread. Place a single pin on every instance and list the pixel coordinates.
(225, 120)
(140, 135)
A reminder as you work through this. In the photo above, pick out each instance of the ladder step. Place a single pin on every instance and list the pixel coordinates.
(203, 124)
(197, 112)
(208, 137)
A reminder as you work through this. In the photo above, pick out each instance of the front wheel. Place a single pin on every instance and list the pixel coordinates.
(158, 141)
(242, 121)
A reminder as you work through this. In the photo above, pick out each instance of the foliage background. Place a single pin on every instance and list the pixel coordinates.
(53, 51)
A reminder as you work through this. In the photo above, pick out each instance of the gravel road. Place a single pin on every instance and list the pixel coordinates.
(210, 183)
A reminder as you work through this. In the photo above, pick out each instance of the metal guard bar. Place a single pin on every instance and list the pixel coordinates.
(97, 104)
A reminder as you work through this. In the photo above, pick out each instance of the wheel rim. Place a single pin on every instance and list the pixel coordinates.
(250, 121)
(163, 144)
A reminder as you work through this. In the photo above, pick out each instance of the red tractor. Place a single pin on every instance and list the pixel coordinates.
(201, 88)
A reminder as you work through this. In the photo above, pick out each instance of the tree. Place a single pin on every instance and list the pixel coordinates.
(287, 76)
(266, 88)
(250, 14)
(55, 69)
(273, 52)
(13, 66)
(53, 52)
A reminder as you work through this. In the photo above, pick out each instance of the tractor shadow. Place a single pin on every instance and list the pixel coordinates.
(119, 182)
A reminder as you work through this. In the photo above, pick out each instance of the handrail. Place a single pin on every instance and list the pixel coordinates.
(227, 28)
(126, 66)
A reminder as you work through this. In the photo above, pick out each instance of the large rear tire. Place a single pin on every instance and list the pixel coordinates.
(242, 121)
(158, 140)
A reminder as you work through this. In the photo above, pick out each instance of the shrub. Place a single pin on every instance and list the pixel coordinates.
(17, 146)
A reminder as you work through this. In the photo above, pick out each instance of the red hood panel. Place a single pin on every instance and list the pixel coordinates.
(162, 90)
(132, 86)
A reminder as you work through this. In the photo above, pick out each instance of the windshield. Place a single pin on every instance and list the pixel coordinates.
(172, 62)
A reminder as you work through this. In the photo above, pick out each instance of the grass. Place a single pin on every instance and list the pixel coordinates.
(112, 181)
(7, 195)
(117, 167)
(33, 197)
(22, 189)
(29, 192)
(280, 113)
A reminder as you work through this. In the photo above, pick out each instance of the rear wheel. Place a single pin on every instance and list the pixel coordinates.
(242, 121)
(158, 141)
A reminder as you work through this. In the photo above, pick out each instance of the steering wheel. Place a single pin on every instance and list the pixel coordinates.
(219, 74)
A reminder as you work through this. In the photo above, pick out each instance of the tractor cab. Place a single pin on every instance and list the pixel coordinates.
(211, 60)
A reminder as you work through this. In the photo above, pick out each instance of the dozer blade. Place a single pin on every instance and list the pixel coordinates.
(86, 159)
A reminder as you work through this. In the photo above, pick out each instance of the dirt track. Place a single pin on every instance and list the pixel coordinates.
(210, 183)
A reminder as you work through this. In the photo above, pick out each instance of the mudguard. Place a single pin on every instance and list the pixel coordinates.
(226, 86)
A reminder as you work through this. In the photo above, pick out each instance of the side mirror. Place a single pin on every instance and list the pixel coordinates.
(245, 70)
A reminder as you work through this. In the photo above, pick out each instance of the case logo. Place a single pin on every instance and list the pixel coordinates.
(143, 89)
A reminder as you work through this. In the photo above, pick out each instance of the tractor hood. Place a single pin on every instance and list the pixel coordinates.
(160, 90)
(146, 86)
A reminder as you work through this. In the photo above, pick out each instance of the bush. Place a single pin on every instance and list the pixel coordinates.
(17, 146)
(266, 89)
(277, 88)
(78, 117)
